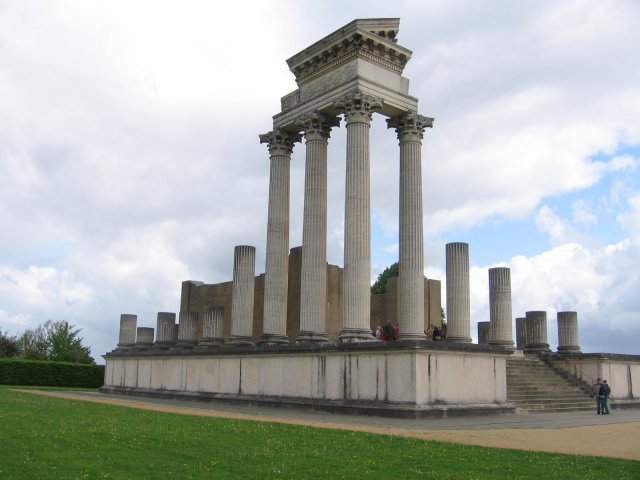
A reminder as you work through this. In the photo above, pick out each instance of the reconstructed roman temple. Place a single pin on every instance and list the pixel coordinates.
(301, 333)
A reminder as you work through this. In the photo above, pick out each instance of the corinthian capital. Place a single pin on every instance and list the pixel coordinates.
(317, 126)
(410, 126)
(358, 107)
(280, 142)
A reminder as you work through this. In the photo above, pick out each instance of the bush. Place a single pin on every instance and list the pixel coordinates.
(50, 374)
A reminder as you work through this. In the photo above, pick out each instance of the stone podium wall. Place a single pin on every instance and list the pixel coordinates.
(381, 378)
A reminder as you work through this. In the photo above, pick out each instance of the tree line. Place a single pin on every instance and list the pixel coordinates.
(54, 340)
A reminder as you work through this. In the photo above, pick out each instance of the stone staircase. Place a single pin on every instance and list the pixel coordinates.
(535, 387)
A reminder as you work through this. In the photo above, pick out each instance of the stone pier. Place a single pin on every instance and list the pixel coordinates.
(128, 324)
(166, 332)
(536, 323)
(521, 333)
(313, 290)
(500, 308)
(458, 300)
(280, 145)
(483, 333)
(212, 328)
(568, 332)
(357, 108)
(410, 128)
(244, 267)
(144, 337)
(188, 328)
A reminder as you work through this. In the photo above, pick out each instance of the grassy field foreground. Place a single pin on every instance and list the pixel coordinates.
(42, 437)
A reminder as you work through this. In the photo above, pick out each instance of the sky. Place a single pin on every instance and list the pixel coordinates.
(130, 159)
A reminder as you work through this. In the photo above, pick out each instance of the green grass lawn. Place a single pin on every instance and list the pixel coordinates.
(43, 437)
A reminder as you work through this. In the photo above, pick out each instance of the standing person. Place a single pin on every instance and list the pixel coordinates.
(396, 331)
(378, 331)
(595, 391)
(388, 330)
(605, 393)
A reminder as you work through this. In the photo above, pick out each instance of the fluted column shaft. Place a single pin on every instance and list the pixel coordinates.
(358, 109)
(144, 336)
(165, 331)
(212, 328)
(536, 322)
(410, 129)
(313, 281)
(483, 333)
(500, 307)
(127, 334)
(274, 321)
(568, 332)
(458, 300)
(243, 287)
(521, 333)
(187, 328)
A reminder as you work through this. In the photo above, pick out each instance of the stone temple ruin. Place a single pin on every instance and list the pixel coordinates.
(301, 333)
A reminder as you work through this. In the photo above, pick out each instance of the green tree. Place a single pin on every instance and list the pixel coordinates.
(380, 286)
(8, 345)
(65, 344)
(33, 344)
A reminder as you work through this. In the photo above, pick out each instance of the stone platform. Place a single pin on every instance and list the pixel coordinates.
(410, 379)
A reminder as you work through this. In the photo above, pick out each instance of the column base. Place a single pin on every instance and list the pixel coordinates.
(241, 340)
(458, 339)
(411, 336)
(503, 344)
(569, 349)
(537, 348)
(211, 342)
(353, 335)
(312, 337)
(273, 339)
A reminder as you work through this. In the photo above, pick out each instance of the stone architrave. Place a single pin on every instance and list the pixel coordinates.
(568, 332)
(244, 268)
(521, 333)
(410, 130)
(212, 328)
(144, 337)
(280, 144)
(483, 333)
(458, 299)
(127, 337)
(500, 308)
(313, 281)
(166, 331)
(536, 322)
(357, 108)
(187, 328)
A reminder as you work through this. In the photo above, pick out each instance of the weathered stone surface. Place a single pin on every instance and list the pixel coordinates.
(536, 323)
(127, 337)
(167, 333)
(500, 308)
(568, 341)
(458, 299)
(244, 267)
(144, 336)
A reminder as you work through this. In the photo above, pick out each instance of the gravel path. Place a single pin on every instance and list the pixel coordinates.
(617, 435)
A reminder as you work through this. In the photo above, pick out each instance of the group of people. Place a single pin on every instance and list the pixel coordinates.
(388, 332)
(391, 332)
(601, 391)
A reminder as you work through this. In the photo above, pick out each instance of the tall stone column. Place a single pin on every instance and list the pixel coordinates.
(244, 268)
(500, 308)
(313, 275)
(357, 108)
(144, 337)
(212, 328)
(458, 300)
(483, 333)
(536, 322)
(410, 129)
(187, 328)
(127, 337)
(521, 333)
(165, 330)
(568, 332)
(280, 144)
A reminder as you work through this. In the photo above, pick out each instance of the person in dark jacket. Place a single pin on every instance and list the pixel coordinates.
(596, 393)
(605, 393)
(388, 330)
